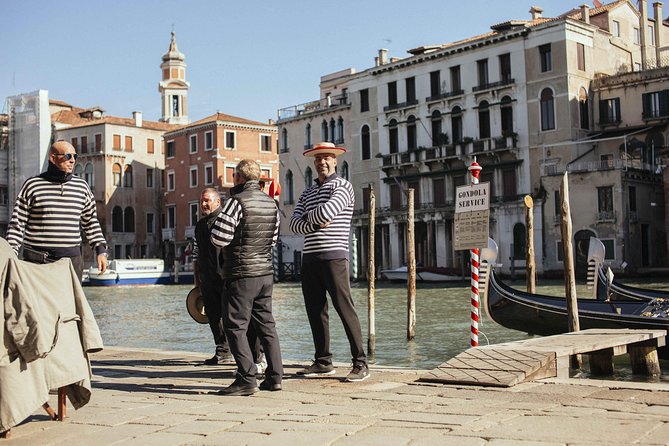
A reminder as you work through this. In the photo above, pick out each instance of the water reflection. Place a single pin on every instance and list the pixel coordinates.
(156, 317)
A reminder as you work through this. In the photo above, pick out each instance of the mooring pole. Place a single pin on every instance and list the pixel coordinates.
(411, 270)
(371, 272)
(529, 248)
(474, 170)
(568, 262)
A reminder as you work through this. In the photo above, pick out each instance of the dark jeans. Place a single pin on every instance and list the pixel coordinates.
(331, 276)
(248, 301)
(211, 293)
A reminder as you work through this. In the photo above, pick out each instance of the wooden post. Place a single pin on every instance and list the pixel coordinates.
(371, 272)
(529, 248)
(411, 269)
(568, 262)
(644, 360)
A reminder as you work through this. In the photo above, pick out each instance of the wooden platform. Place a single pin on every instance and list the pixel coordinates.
(507, 364)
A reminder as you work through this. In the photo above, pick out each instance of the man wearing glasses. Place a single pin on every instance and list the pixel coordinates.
(51, 210)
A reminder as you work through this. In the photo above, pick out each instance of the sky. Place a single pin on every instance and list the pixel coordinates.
(245, 58)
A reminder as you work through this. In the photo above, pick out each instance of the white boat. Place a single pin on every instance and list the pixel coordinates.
(423, 274)
(130, 272)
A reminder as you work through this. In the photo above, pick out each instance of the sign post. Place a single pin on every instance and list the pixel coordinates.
(472, 209)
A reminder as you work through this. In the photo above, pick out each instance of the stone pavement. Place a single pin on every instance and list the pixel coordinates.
(149, 397)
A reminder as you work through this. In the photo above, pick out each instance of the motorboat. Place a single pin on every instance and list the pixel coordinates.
(423, 274)
(131, 272)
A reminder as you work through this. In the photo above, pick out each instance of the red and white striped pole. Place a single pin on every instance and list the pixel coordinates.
(475, 170)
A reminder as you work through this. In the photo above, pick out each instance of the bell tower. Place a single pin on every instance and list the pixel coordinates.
(173, 87)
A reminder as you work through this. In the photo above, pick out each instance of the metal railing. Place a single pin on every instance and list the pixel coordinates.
(595, 166)
(314, 106)
(399, 105)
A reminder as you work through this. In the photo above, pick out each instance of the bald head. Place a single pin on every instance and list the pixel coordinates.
(63, 155)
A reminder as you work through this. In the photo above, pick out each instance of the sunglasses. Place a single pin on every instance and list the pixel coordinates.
(67, 156)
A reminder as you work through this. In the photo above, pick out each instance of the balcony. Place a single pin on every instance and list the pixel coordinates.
(494, 85)
(169, 234)
(320, 105)
(189, 232)
(90, 149)
(606, 217)
(595, 166)
(400, 105)
(446, 95)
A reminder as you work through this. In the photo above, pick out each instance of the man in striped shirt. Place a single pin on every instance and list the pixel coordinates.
(51, 210)
(323, 215)
(246, 229)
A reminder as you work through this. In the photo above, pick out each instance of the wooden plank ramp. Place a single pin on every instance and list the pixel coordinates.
(510, 363)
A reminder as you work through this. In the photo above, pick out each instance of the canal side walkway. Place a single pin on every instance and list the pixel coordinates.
(151, 397)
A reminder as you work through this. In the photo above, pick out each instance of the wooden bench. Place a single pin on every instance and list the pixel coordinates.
(510, 363)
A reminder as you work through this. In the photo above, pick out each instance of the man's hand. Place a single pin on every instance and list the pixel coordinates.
(102, 262)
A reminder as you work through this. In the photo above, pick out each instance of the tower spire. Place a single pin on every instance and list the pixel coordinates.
(173, 87)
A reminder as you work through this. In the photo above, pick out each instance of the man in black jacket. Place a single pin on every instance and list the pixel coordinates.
(207, 274)
(246, 229)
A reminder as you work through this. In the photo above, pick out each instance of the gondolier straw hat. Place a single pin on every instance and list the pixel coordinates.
(195, 306)
(324, 147)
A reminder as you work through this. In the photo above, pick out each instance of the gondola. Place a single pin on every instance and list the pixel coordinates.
(547, 315)
(619, 291)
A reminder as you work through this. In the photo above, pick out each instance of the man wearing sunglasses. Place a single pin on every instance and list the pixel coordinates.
(52, 209)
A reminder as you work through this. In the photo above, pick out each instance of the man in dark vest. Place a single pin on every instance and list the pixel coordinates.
(246, 229)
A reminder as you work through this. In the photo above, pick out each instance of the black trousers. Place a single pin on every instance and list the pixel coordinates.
(331, 276)
(211, 293)
(248, 301)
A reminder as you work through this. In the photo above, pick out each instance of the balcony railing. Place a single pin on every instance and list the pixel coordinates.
(446, 95)
(595, 166)
(169, 234)
(400, 105)
(189, 232)
(314, 106)
(606, 216)
(491, 85)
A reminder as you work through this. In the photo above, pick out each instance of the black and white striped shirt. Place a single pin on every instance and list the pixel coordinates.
(223, 230)
(50, 215)
(329, 203)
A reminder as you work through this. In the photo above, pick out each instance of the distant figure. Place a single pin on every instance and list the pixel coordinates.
(52, 209)
(246, 229)
(323, 214)
(206, 272)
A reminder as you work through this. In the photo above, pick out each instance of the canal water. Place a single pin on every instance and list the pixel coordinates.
(156, 317)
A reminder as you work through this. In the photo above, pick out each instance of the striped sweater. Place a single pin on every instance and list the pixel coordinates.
(331, 204)
(48, 215)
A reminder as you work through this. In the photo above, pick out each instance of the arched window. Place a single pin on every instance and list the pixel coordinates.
(324, 131)
(127, 176)
(584, 109)
(365, 143)
(290, 188)
(307, 136)
(79, 170)
(547, 109)
(116, 175)
(484, 120)
(284, 140)
(344, 170)
(519, 241)
(456, 124)
(129, 220)
(89, 176)
(411, 133)
(117, 219)
(393, 136)
(340, 130)
(308, 177)
(437, 131)
(332, 130)
(506, 115)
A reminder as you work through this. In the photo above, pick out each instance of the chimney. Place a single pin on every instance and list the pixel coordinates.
(657, 14)
(536, 12)
(585, 13)
(271, 121)
(376, 61)
(383, 56)
(137, 116)
(643, 31)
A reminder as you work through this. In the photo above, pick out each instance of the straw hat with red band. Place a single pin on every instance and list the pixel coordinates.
(324, 147)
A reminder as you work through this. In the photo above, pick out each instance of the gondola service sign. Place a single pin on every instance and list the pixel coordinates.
(472, 213)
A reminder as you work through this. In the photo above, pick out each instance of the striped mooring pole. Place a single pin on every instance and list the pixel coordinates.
(475, 170)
